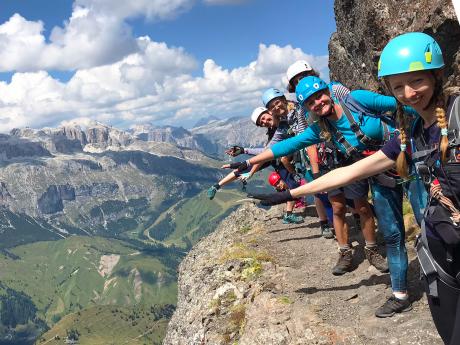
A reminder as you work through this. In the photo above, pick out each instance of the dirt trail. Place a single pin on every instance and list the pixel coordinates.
(294, 298)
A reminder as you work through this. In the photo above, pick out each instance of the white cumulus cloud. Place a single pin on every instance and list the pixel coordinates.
(154, 84)
(122, 79)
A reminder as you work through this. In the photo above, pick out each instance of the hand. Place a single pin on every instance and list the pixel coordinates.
(245, 177)
(316, 175)
(237, 166)
(235, 151)
(271, 199)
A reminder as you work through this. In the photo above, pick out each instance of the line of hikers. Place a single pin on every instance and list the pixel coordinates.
(358, 141)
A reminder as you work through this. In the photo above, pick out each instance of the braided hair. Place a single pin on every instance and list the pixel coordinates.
(440, 112)
(401, 162)
(438, 99)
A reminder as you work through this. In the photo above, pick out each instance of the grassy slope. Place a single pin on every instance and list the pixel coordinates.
(105, 325)
(196, 217)
(62, 276)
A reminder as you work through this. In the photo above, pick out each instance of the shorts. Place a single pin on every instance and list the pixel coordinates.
(334, 192)
(357, 190)
(287, 177)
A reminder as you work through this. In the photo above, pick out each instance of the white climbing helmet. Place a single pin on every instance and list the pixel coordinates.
(256, 114)
(297, 68)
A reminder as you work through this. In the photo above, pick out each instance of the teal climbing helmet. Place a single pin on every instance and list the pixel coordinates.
(410, 52)
(270, 94)
(308, 86)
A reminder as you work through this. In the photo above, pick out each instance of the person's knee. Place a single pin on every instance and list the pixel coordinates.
(338, 209)
(285, 160)
(363, 209)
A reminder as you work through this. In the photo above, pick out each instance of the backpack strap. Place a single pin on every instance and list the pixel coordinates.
(350, 150)
(363, 138)
(429, 267)
(453, 114)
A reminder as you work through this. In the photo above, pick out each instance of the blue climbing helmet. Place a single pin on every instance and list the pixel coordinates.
(270, 94)
(308, 86)
(410, 52)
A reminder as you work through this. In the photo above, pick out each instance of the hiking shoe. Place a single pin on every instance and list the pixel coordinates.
(343, 265)
(212, 192)
(292, 219)
(326, 231)
(375, 259)
(392, 306)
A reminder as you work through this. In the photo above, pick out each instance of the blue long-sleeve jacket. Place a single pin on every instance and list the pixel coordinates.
(370, 125)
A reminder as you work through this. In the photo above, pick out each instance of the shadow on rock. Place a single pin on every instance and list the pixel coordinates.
(372, 280)
(299, 238)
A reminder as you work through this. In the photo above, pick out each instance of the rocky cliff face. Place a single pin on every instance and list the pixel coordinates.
(364, 27)
(257, 281)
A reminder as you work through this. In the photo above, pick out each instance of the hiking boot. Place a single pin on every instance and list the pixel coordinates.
(326, 231)
(343, 265)
(392, 306)
(212, 192)
(292, 219)
(375, 259)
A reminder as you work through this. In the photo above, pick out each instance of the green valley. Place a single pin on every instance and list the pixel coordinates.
(106, 325)
(77, 273)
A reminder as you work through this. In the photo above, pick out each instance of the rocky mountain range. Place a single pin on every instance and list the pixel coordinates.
(211, 135)
(73, 185)
(89, 180)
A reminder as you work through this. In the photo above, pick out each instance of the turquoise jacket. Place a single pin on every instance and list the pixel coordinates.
(370, 125)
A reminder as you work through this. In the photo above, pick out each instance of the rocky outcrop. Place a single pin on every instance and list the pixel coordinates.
(364, 27)
(175, 135)
(12, 147)
(98, 189)
(50, 201)
(103, 136)
(4, 194)
(234, 131)
(257, 281)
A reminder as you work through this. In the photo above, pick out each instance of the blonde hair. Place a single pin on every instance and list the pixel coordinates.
(325, 133)
(401, 162)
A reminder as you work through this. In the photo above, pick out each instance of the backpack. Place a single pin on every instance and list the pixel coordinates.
(362, 110)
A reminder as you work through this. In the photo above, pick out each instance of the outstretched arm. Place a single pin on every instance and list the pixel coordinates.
(378, 103)
(364, 168)
(340, 177)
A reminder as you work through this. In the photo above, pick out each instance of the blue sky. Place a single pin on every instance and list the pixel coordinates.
(97, 46)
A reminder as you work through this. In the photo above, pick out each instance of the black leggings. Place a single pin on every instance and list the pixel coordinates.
(445, 309)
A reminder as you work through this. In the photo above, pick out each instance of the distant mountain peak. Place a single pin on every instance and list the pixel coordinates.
(205, 120)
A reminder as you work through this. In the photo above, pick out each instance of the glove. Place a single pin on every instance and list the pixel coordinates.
(245, 177)
(271, 199)
(235, 151)
(240, 166)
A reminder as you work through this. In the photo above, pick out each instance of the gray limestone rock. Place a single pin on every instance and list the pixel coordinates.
(253, 283)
